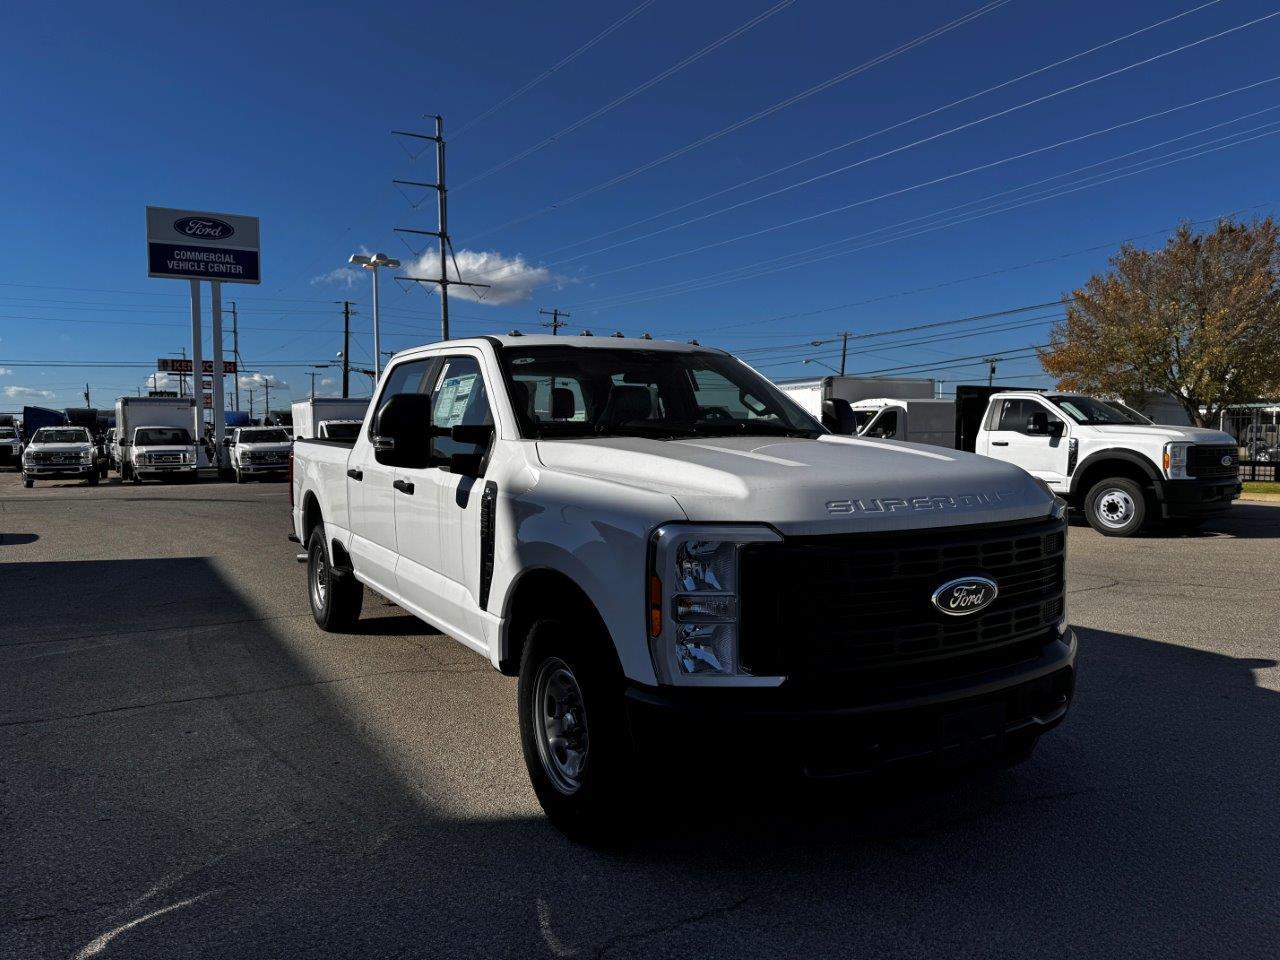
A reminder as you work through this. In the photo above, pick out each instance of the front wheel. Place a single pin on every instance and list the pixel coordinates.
(336, 597)
(572, 731)
(93, 479)
(239, 476)
(28, 482)
(1116, 507)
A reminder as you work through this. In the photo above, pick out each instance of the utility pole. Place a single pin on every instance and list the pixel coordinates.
(844, 349)
(266, 401)
(235, 350)
(441, 233)
(251, 404)
(346, 348)
(991, 369)
(86, 395)
(555, 323)
(312, 374)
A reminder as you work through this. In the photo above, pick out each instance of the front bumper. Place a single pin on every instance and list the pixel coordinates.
(276, 468)
(943, 724)
(159, 469)
(1197, 498)
(58, 469)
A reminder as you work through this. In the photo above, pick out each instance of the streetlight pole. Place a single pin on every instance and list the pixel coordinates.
(821, 364)
(372, 263)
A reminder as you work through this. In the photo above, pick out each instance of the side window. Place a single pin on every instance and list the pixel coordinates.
(885, 426)
(1013, 415)
(458, 399)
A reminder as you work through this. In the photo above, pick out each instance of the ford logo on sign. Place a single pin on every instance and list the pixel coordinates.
(203, 228)
(959, 598)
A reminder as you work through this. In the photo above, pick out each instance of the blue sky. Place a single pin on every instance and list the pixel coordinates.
(285, 111)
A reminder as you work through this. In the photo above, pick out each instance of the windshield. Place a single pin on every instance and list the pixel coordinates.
(61, 435)
(7, 433)
(1095, 412)
(156, 436)
(262, 436)
(1130, 412)
(567, 391)
(341, 431)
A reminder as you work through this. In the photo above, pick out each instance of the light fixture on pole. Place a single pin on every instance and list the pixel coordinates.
(372, 263)
(821, 364)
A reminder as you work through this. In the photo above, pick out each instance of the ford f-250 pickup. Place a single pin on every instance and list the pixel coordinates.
(676, 561)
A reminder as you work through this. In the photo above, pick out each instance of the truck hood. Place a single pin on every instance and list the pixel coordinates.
(828, 485)
(1164, 433)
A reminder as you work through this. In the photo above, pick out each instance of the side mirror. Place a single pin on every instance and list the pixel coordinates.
(1057, 428)
(477, 434)
(1038, 423)
(402, 431)
(837, 416)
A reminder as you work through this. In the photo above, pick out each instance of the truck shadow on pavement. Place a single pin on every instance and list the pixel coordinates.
(179, 754)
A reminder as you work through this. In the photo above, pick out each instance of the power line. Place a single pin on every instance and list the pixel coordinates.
(630, 94)
(771, 265)
(876, 133)
(558, 65)
(755, 117)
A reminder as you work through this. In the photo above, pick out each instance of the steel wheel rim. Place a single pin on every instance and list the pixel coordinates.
(560, 725)
(319, 580)
(1115, 508)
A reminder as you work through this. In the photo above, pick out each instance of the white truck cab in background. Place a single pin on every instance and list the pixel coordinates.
(1105, 459)
(309, 414)
(158, 438)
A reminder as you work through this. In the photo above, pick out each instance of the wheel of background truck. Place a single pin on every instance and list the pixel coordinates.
(572, 730)
(28, 482)
(239, 476)
(1116, 507)
(135, 476)
(93, 479)
(102, 472)
(336, 598)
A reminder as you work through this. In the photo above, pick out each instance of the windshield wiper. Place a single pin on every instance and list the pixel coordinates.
(750, 427)
(656, 430)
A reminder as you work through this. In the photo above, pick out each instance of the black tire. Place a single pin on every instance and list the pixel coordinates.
(28, 482)
(93, 479)
(335, 597)
(1116, 507)
(239, 476)
(584, 781)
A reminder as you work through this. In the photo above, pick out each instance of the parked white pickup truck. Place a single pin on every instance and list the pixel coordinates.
(1112, 463)
(259, 452)
(679, 562)
(60, 452)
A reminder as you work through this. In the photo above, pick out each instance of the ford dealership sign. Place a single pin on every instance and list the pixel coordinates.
(190, 245)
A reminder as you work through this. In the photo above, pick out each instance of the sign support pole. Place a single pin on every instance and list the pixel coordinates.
(219, 416)
(197, 366)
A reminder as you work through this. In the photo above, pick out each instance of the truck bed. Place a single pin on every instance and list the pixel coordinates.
(321, 465)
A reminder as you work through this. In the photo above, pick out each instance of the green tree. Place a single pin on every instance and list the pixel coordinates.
(1198, 319)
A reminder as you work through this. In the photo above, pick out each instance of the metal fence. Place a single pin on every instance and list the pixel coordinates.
(1259, 470)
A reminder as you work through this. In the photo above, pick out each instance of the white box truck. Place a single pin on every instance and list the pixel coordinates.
(156, 438)
(309, 414)
(813, 394)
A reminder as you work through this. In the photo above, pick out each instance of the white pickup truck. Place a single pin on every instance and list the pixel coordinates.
(1105, 459)
(259, 452)
(679, 563)
(60, 452)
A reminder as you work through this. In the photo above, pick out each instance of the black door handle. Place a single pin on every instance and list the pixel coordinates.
(355, 474)
(404, 486)
(999, 443)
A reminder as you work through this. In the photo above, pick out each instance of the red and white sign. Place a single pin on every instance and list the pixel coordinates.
(183, 365)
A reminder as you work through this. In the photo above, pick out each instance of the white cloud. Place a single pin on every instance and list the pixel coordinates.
(255, 381)
(327, 381)
(27, 393)
(5, 371)
(510, 279)
(345, 276)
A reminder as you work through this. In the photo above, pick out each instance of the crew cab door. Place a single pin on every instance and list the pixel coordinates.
(371, 494)
(1007, 437)
(438, 511)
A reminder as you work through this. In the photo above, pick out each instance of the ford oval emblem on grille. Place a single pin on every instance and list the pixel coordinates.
(959, 598)
(1227, 461)
(204, 228)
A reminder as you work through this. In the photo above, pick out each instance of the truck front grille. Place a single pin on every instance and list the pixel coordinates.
(1207, 463)
(861, 603)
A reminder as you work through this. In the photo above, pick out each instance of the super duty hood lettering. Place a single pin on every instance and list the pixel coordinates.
(959, 501)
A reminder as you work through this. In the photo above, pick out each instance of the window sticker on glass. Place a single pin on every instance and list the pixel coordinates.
(451, 399)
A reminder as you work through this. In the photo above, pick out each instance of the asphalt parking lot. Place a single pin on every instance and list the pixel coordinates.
(189, 767)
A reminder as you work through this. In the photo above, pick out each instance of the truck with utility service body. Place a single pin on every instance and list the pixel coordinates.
(309, 414)
(157, 438)
(1104, 458)
(679, 563)
(60, 453)
(259, 452)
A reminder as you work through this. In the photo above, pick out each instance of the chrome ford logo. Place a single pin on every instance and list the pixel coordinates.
(959, 598)
(1227, 461)
(204, 228)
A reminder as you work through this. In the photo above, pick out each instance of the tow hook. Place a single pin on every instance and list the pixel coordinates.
(301, 557)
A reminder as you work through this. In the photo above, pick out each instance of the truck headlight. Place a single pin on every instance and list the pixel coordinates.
(692, 601)
(86, 457)
(1175, 460)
